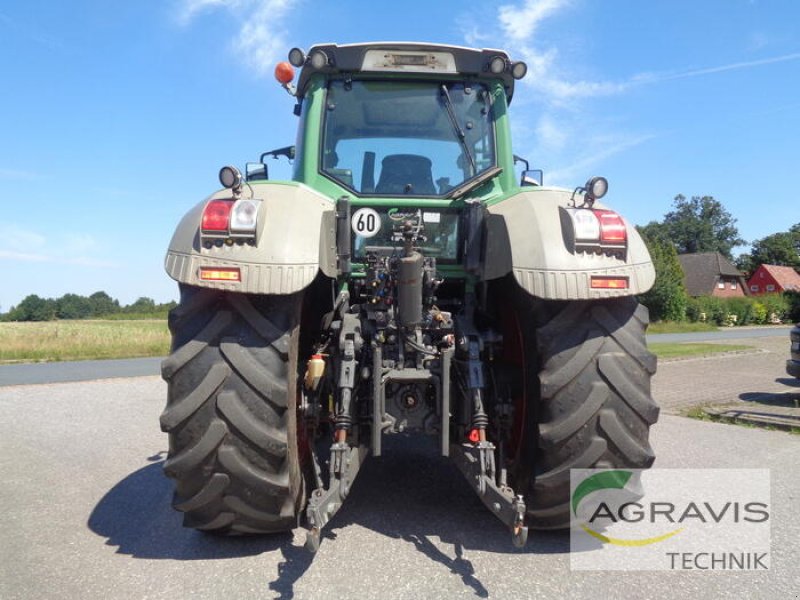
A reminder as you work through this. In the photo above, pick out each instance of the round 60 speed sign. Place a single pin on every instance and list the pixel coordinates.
(366, 222)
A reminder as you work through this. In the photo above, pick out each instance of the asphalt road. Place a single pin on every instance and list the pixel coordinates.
(83, 370)
(86, 515)
(733, 333)
(90, 370)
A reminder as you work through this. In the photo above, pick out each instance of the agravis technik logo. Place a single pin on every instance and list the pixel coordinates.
(672, 519)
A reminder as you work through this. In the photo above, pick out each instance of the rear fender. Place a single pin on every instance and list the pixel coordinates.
(294, 241)
(525, 236)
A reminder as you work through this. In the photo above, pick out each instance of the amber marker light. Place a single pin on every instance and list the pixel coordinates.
(284, 73)
(609, 283)
(220, 274)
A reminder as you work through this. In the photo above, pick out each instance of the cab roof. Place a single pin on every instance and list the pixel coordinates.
(410, 58)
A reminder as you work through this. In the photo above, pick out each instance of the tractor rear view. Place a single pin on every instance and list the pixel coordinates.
(404, 282)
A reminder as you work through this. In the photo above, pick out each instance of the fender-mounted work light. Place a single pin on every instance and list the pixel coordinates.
(230, 177)
(596, 188)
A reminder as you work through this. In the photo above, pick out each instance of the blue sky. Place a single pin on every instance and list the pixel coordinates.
(115, 116)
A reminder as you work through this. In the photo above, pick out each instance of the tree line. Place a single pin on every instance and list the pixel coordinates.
(703, 224)
(73, 306)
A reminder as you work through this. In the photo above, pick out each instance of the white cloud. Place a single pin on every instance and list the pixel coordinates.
(551, 136)
(81, 261)
(593, 153)
(14, 236)
(24, 245)
(757, 41)
(475, 35)
(520, 23)
(79, 243)
(661, 77)
(23, 256)
(261, 39)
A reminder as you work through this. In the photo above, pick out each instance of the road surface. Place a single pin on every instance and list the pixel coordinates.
(86, 515)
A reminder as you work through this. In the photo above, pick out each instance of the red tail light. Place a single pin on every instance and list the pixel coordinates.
(217, 215)
(612, 227)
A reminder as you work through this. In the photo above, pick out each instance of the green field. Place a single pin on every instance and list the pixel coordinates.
(82, 340)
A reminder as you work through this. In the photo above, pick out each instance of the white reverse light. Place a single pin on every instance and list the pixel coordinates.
(585, 224)
(244, 216)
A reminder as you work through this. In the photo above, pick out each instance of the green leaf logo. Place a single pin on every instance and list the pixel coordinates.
(606, 480)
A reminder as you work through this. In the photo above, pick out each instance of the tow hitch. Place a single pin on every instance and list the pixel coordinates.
(476, 462)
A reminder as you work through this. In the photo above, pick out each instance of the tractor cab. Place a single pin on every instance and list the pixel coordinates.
(402, 120)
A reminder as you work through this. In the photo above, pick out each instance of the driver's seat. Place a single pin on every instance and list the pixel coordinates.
(406, 174)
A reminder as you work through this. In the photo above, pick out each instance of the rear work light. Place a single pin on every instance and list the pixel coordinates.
(217, 216)
(220, 274)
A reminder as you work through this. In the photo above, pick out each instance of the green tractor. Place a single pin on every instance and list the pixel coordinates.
(404, 282)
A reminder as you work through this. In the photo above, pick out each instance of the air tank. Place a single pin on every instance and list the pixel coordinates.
(409, 289)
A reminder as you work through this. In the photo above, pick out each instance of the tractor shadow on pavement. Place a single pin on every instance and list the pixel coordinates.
(410, 494)
(137, 517)
(414, 495)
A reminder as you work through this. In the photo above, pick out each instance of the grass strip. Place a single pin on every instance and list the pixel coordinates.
(82, 340)
(701, 414)
(680, 327)
(85, 340)
(665, 350)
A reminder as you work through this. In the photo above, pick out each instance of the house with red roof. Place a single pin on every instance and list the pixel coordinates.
(773, 279)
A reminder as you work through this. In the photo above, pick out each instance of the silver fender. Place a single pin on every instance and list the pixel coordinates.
(294, 241)
(537, 251)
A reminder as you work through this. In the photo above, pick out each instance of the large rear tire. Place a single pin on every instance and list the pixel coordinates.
(231, 411)
(593, 406)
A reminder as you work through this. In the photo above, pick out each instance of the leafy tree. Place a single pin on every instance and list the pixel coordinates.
(701, 224)
(34, 308)
(142, 305)
(667, 299)
(103, 304)
(777, 249)
(72, 306)
(655, 232)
